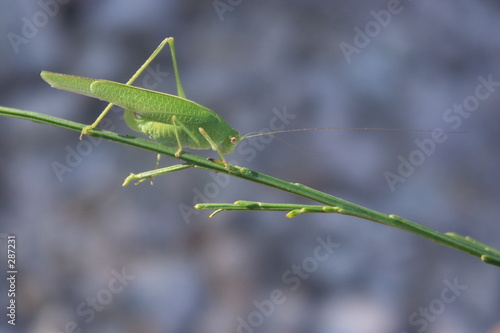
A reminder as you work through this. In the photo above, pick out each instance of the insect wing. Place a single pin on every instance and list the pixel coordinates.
(154, 105)
(77, 84)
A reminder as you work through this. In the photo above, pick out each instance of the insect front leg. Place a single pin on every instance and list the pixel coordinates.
(214, 147)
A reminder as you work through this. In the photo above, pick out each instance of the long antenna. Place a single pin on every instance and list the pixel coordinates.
(251, 134)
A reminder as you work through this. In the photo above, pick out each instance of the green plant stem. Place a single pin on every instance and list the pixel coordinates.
(465, 244)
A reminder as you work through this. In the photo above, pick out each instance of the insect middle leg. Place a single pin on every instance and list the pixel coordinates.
(176, 123)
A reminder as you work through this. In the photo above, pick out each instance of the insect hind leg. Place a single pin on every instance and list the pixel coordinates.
(180, 90)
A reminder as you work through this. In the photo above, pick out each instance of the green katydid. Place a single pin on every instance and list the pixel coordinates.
(168, 119)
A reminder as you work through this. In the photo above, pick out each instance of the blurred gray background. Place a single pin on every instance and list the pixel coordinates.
(326, 63)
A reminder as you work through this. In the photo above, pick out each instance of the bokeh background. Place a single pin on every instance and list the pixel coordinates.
(77, 229)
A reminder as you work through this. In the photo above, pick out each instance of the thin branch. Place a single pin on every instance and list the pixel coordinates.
(330, 203)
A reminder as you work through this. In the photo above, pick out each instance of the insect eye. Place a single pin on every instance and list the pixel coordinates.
(234, 140)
